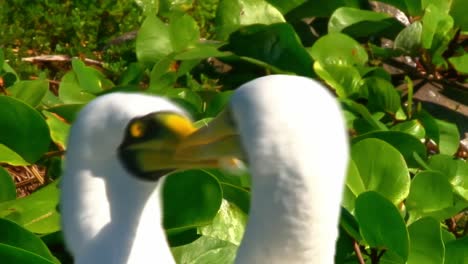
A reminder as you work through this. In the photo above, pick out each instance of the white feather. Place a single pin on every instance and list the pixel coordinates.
(295, 139)
(109, 216)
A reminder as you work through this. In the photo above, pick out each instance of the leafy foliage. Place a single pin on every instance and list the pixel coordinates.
(406, 189)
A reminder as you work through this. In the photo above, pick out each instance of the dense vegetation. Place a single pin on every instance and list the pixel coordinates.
(407, 185)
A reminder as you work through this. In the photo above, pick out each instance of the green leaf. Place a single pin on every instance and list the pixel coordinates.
(150, 7)
(153, 41)
(412, 127)
(437, 32)
(455, 170)
(70, 91)
(455, 251)
(90, 79)
(430, 191)
(17, 237)
(275, 44)
(10, 254)
(320, 8)
(409, 39)
(449, 137)
(233, 14)
(67, 111)
(205, 250)
(382, 95)
(36, 212)
(426, 245)
(228, 224)
(381, 224)
(58, 129)
(30, 92)
(345, 79)
(354, 186)
(191, 199)
(233, 189)
(187, 95)
(460, 63)
(183, 32)
(385, 173)
(10, 157)
(363, 23)
(457, 11)
(406, 144)
(7, 186)
(218, 103)
(23, 129)
(286, 6)
(338, 49)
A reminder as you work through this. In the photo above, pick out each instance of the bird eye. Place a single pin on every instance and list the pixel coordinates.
(137, 129)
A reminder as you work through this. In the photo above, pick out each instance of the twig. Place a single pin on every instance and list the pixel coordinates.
(357, 250)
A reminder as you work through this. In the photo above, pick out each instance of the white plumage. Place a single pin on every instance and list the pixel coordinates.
(293, 137)
(108, 215)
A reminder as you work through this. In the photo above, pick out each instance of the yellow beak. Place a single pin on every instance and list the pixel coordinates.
(218, 140)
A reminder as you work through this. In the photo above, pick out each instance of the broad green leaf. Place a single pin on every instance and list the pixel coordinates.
(437, 32)
(455, 170)
(36, 212)
(366, 115)
(430, 125)
(456, 251)
(67, 111)
(426, 245)
(286, 6)
(183, 32)
(406, 144)
(132, 74)
(382, 95)
(344, 246)
(18, 237)
(233, 14)
(354, 186)
(59, 129)
(275, 44)
(363, 23)
(430, 191)
(457, 11)
(87, 77)
(218, 103)
(382, 169)
(409, 39)
(7, 186)
(187, 95)
(412, 127)
(30, 92)
(9, 254)
(23, 129)
(320, 8)
(161, 78)
(381, 224)
(190, 199)
(460, 63)
(70, 91)
(337, 48)
(233, 189)
(449, 137)
(10, 157)
(228, 224)
(50, 99)
(350, 225)
(344, 78)
(153, 41)
(205, 250)
(202, 51)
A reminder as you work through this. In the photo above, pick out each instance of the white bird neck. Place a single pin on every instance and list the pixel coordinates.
(134, 233)
(297, 167)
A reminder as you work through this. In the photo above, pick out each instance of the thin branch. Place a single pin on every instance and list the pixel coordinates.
(357, 250)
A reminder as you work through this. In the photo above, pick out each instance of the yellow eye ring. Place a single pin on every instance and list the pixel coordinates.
(137, 129)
